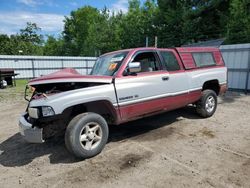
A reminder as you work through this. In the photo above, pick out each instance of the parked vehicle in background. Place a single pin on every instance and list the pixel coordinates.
(3, 84)
(123, 86)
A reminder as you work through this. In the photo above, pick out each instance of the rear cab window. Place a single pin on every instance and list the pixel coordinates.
(203, 59)
(169, 61)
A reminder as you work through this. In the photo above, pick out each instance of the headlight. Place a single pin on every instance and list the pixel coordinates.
(47, 111)
(33, 112)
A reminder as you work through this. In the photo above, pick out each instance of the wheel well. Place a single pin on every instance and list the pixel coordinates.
(213, 85)
(103, 108)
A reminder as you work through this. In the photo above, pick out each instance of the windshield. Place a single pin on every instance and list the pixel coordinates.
(107, 65)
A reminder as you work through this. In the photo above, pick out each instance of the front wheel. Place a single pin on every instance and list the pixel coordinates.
(86, 135)
(207, 105)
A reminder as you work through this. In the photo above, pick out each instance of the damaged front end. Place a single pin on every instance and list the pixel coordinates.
(33, 92)
(41, 119)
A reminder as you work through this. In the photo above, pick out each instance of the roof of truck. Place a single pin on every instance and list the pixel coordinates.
(197, 49)
(179, 49)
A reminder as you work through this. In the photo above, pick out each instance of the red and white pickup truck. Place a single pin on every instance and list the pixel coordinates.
(123, 86)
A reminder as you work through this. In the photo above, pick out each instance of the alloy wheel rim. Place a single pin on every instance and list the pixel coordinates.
(90, 136)
(210, 104)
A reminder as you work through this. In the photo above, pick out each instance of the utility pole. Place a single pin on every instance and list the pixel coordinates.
(146, 41)
(156, 41)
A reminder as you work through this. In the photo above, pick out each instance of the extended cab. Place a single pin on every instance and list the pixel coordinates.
(122, 86)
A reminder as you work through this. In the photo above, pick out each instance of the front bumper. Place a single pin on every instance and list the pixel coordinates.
(30, 134)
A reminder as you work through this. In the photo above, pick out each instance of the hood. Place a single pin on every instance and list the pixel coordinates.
(69, 75)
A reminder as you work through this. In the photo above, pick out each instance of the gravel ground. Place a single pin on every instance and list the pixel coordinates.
(174, 149)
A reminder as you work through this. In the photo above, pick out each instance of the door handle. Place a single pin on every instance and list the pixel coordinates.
(165, 78)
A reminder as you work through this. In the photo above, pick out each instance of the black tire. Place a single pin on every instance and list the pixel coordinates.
(74, 131)
(201, 104)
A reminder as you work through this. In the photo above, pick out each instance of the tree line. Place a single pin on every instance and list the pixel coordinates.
(91, 32)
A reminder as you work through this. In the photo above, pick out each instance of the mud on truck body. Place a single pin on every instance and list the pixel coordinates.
(122, 86)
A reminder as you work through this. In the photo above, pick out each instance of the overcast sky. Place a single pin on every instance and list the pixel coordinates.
(48, 14)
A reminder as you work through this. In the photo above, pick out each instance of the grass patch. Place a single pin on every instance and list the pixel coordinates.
(20, 85)
(15, 92)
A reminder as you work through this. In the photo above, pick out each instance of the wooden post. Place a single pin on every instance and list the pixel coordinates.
(156, 41)
(248, 72)
(146, 41)
(33, 68)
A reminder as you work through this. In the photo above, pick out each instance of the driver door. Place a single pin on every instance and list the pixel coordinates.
(141, 94)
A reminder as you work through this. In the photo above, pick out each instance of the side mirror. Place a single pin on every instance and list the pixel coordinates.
(134, 67)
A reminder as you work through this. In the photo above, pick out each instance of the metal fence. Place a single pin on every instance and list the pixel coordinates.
(237, 60)
(236, 57)
(35, 66)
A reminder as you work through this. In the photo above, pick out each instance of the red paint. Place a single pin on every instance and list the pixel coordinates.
(137, 110)
(188, 60)
(118, 118)
(68, 73)
(218, 58)
(196, 49)
(118, 51)
(205, 68)
(194, 96)
(184, 58)
(223, 89)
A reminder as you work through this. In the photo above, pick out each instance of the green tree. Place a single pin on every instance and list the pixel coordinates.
(77, 28)
(102, 35)
(14, 45)
(206, 20)
(170, 22)
(131, 26)
(20, 47)
(30, 34)
(238, 28)
(89, 32)
(27, 42)
(4, 44)
(138, 24)
(53, 46)
(182, 22)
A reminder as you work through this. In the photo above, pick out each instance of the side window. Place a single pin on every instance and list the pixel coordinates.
(203, 59)
(170, 61)
(148, 61)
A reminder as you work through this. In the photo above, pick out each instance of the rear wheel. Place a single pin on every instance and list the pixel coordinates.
(207, 105)
(86, 135)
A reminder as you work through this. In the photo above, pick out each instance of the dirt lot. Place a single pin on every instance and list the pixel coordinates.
(175, 149)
